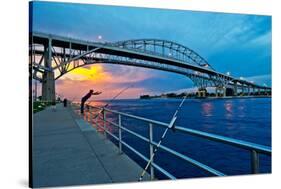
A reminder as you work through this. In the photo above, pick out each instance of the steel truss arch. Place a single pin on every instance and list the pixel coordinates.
(165, 48)
(67, 54)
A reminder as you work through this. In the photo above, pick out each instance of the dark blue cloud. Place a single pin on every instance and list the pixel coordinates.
(240, 44)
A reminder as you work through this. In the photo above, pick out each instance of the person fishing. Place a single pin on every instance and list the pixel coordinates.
(86, 97)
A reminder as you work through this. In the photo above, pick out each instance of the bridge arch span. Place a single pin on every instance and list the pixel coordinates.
(49, 53)
(165, 48)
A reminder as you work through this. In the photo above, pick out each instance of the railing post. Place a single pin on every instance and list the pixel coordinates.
(254, 162)
(90, 114)
(86, 113)
(104, 122)
(96, 121)
(120, 133)
(151, 151)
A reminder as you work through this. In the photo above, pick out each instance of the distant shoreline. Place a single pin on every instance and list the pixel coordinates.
(167, 98)
(227, 97)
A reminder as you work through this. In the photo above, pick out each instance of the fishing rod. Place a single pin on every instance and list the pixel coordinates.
(73, 99)
(118, 94)
(170, 126)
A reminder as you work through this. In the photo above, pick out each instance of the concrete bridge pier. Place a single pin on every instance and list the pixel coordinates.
(201, 93)
(220, 90)
(267, 92)
(235, 89)
(48, 87)
(48, 83)
(243, 91)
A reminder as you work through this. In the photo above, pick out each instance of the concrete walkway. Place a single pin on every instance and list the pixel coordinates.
(68, 151)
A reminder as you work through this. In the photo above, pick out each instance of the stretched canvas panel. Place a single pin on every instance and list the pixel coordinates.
(128, 94)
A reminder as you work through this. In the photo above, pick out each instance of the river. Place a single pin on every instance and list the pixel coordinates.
(246, 119)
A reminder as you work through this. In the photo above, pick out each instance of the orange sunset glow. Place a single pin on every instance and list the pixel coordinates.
(78, 82)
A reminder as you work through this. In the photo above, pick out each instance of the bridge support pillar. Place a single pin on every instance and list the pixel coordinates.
(224, 91)
(220, 91)
(235, 89)
(216, 91)
(48, 83)
(201, 93)
(48, 87)
(243, 90)
(268, 92)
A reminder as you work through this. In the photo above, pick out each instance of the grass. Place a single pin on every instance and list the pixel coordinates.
(39, 106)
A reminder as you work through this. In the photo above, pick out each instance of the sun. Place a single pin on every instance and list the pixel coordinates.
(94, 73)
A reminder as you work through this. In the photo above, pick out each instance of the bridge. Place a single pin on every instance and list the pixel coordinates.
(52, 56)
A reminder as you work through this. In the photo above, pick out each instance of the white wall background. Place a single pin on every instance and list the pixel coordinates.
(14, 92)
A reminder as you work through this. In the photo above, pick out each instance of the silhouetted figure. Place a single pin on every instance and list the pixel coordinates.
(65, 102)
(86, 97)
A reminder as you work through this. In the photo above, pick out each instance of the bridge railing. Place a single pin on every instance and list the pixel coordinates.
(99, 119)
(182, 58)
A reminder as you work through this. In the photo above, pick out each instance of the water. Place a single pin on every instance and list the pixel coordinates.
(247, 119)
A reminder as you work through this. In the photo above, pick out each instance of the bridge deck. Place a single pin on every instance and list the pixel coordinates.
(68, 151)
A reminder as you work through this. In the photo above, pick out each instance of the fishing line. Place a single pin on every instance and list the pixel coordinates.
(170, 126)
(118, 94)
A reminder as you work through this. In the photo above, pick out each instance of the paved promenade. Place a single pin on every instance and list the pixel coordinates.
(68, 151)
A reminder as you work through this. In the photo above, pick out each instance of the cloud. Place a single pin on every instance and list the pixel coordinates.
(77, 83)
(261, 79)
(237, 43)
(246, 32)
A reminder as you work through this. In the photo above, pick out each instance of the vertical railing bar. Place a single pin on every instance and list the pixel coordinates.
(254, 152)
(90, 114)
(104, 122)
(254, 162)
(151, 151)
(120, 133)
(96, 121)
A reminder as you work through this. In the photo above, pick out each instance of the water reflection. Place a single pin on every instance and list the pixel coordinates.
(207, 109)
(97, 103)
(241, 111)
(228, 106)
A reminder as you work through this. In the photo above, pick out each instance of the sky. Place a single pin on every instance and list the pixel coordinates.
(235, 43)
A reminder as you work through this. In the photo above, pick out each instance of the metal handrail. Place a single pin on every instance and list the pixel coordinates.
(254, 148)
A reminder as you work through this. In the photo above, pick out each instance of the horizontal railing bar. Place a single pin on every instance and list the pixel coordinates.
(138, 117)
(234, 142)
(132, 116)
(135, 134)
(230, 141)
(226, 140)
(163, 171)
(190, 160)
(129, 131)
(111, 122)
(111, 134)
(177, 154)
